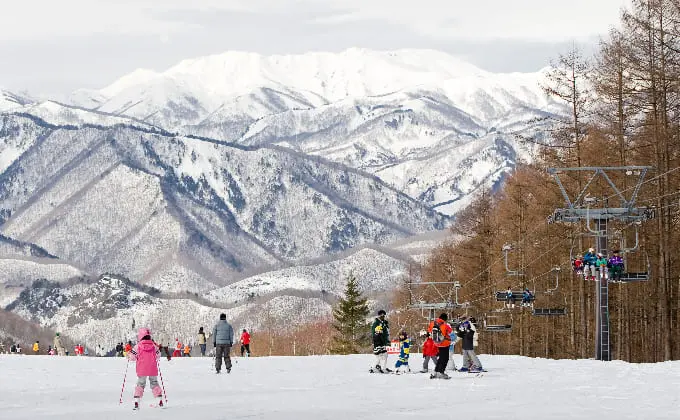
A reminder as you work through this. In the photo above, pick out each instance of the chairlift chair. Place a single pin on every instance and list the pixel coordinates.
(494, 326)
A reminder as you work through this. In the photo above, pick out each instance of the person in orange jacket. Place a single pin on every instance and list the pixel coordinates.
(127, 349)
(187, 350)
(441, 331)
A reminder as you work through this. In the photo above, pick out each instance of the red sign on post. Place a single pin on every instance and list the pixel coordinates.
(394, 347)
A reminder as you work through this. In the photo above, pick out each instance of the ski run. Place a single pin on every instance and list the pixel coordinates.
(339, 387)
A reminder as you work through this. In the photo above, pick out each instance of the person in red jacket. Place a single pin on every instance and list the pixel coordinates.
(245, 343)
(441, 331)
(430, 351)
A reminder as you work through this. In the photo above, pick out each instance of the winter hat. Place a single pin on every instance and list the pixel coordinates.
(444, 317)
(382, 312)
(57, 334)
(143, 332)
(223, 317)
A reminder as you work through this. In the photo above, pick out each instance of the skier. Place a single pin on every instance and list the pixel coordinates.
(509, 298)
(245, 343)
(178, 348)
(589, 260)
(128, 348)
(13, 349)
(430, 351)
(146, 355)
(187, 350)
(440, 331)
(381, 340)
(223, 339)
(470, 361)
(577, 265)
(18, 348)
(404, 349)
(119, 350)
(36, 347)
(57, 345)
(201, 340)
(616, 266)
(601, 264)
(527, 297)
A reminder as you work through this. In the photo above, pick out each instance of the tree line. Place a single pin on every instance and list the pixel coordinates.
(624, 109)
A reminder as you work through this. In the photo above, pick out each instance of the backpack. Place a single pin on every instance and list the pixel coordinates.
(437, 335)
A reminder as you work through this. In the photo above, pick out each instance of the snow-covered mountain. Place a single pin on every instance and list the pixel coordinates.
(187, 213)
(10, 101)
(426, 122)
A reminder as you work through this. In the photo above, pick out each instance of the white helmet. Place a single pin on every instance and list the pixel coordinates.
(591, 250)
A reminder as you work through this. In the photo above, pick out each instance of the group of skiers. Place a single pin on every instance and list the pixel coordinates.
(57, 350)
(438, 345)
(590, 263)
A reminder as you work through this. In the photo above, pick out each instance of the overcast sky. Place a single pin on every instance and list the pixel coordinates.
(55, 46)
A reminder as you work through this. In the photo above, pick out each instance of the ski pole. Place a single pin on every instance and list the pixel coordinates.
(158, 364)
(127, 365)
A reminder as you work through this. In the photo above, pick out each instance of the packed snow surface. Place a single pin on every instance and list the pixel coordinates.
(339, 387)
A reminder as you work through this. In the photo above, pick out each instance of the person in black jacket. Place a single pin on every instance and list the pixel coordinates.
(470, 361)
(381, 341)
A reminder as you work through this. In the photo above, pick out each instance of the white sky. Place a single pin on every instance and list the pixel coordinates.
(54, 46)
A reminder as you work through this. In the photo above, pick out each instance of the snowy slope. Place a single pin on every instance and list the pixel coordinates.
(338, 387)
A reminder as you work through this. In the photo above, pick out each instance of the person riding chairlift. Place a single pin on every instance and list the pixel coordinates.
(616, 266)
(589, 264)
(601, 264)
(527, 297)
(509, 298)
(577, 265)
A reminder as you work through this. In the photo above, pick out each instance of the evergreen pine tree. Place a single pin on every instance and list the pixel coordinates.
(350, 320)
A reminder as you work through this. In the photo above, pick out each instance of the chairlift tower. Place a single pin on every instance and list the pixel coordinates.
(581, 208)
(445, 304)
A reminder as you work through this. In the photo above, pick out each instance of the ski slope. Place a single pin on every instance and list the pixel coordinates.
(339, 387)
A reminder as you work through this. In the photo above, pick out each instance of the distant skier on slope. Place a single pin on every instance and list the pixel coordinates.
(245, 343)
(146, 355)
(381, 340)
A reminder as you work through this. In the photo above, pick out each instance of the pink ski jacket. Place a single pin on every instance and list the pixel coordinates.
(146, 354)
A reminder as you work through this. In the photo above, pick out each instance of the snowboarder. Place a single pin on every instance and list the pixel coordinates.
(61, 351)
(245, 343)
(404, 350)
(430, 351)
(440, 331)
(146, 355)
(223, 339)
(381, 340)
(470, 361)
(616, 266)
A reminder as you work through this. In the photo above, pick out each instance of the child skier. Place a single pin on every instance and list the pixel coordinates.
(430, 351)
(404, 349)
(577, 265)
(146, 355)
(601, 264)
